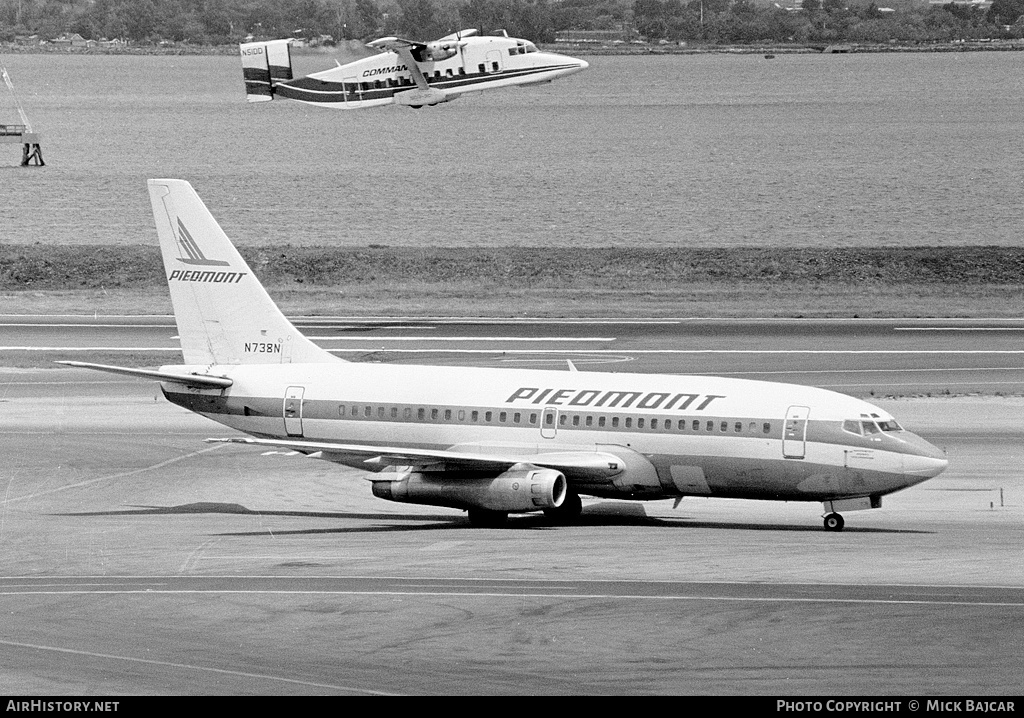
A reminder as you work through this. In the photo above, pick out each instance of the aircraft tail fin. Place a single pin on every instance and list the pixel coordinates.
(263, 65)
(224, 314)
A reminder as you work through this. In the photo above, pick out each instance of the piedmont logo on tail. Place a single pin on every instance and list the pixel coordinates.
(500, 441)
(404, 72)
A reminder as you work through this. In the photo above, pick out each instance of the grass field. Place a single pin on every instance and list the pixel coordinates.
(519, 281)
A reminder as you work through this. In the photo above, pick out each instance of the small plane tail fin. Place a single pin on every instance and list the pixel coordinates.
(264, 64)
(224, 314)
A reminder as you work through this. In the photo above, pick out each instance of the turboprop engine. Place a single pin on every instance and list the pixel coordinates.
(521, 488)
(438, 50)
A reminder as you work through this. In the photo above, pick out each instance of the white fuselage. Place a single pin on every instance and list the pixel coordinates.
(480, 63)
(675, 435)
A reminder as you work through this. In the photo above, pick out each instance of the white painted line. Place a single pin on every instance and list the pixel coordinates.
(464, 339)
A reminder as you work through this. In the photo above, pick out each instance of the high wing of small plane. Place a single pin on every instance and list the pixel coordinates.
(404, 72)
(501, 441)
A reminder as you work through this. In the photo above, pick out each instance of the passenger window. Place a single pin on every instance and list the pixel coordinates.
(447, 414)
(533, 419)
(380, 412)
(668, 425)
(738, 427)
(639, 423)
(629, 422)
(433, 414)
(600, 421)
(590, 421)
(494, 65)
(516, 418)
(725, 426)
(474, 416)
(487, 416)
(696, 425)
(421, 414)
(615, 422)
(576, 420)
(561, 419)
(481, 68)
(711, 425)
(368, 412)
(766, 427)
(503, 417)
(408, 413)
(462, 414)
(549, 419)
(341, 410)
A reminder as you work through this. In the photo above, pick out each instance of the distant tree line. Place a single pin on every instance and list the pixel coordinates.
(220, 22)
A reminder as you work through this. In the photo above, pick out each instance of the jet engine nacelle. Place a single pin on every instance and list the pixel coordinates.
(439, 49)
(519, 489)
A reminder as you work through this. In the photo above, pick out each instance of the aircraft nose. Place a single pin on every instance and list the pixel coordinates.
(924, 461)
(583, 64)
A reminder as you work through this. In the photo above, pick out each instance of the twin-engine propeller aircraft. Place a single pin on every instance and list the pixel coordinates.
(406, 72)
(498, 441)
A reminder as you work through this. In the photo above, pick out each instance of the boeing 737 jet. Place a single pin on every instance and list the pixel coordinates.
(500, 441)
(406, 72)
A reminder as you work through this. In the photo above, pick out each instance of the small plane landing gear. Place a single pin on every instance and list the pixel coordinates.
(486, 519)
(568, 512)
(834, 522)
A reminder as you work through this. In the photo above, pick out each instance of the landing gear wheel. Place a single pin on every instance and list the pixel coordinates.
(834, 522)
(568, 512)
(485, 519)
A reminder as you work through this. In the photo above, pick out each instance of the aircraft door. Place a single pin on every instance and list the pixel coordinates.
(293, 410)
(350, 86)
(794, 436)
(494, 61)
(549, 422)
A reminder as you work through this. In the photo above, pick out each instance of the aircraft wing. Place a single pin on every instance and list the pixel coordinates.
(202, 381)
(404, 49)
(574, 464)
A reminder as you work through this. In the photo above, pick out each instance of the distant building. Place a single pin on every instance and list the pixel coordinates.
(624, 33)
(75, 40)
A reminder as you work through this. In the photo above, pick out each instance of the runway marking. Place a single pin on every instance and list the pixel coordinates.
(958, 329)
(520, 595)
(121, 475)
(464, 339)
(193, 667)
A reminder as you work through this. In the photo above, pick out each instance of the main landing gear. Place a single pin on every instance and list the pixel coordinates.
(834, 522)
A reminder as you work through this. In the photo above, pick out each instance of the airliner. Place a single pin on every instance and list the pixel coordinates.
(404, 72)
(492, 441)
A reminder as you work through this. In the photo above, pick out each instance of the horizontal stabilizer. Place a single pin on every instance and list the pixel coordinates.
(203, 381)
(263, 65)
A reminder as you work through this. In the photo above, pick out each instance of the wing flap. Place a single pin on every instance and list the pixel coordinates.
(574, 464)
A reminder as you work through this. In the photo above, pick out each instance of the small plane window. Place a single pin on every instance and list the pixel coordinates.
(487, 416)
(394, 412)
(503, 417)
(368, 411)
(408, 412)
(462, 414)
(766, 427)
(738, 427)
(474, 416)
(615, 422)
(380, 412)
(725, 426)
(668, 425)
(549, 419)
(355, 410)
(482, 67)
(448, 72)
(462, 71)
(576, 420)
(433, 414)
(629, 422)
(852, 426)
(341, 410)
(696, 425)
(437, 74)
(711, 425)
(516, 418)
(421, 414)
(561, 419)
(447, 414)
(533, 419)
(494, 67)
(600, 421)
(590, 421)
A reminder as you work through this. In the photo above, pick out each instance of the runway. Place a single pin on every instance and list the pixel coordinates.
(139, 560)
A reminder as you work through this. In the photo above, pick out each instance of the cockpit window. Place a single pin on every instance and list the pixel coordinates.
(869, 427)
(852, 426)
(889, 425)
(530, 47)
